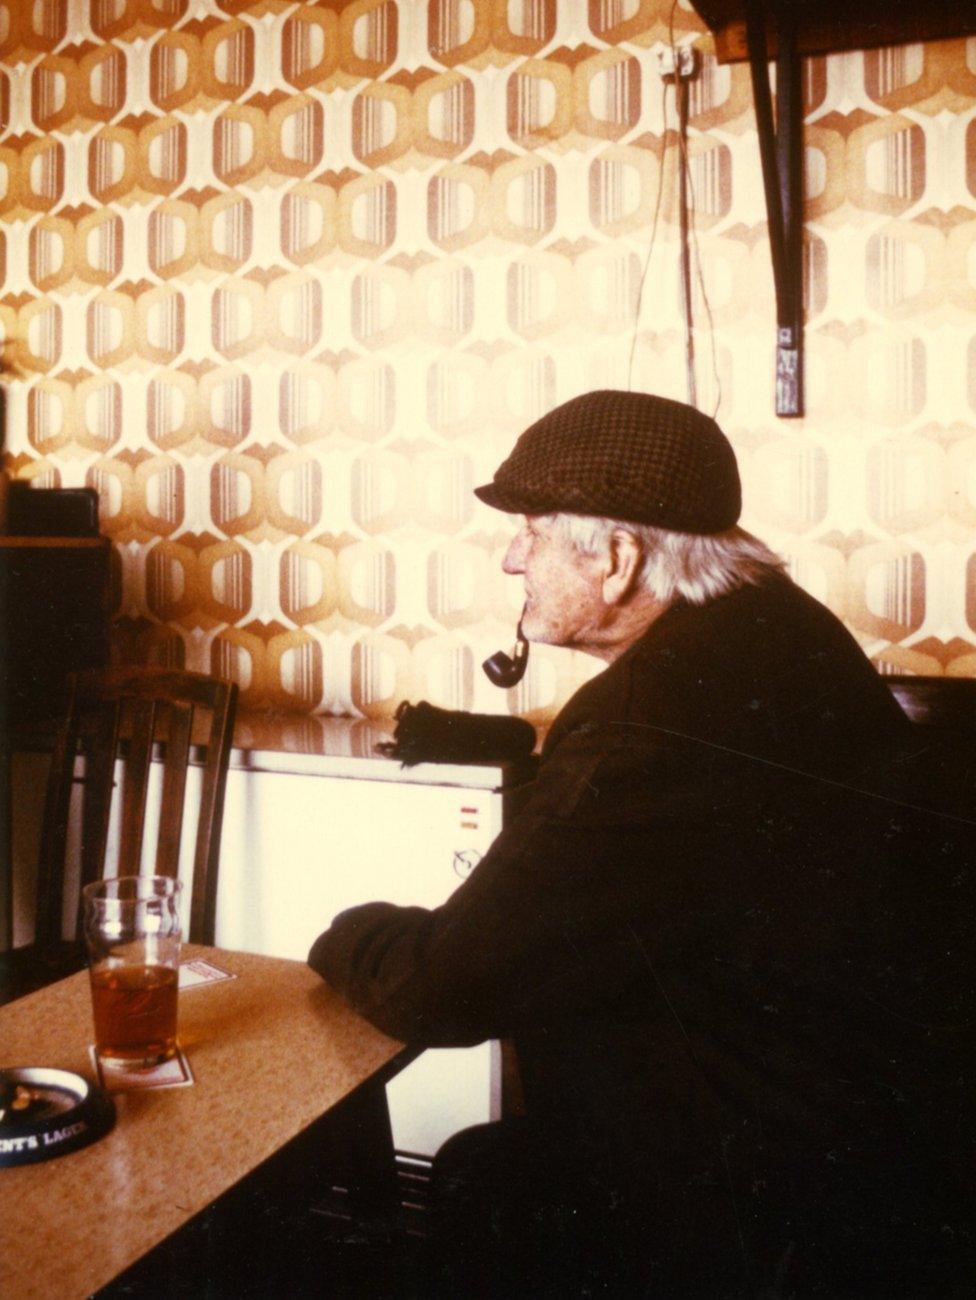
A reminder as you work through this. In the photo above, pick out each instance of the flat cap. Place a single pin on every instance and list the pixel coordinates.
(629, 456)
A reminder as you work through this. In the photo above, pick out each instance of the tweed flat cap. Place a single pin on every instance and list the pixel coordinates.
(629, 456)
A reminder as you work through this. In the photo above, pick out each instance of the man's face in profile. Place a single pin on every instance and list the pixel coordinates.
(563, 603)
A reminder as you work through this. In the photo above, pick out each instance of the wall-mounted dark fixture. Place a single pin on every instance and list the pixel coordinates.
(756, 30)
(827, 26)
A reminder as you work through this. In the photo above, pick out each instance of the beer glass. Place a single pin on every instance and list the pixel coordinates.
(132, 928)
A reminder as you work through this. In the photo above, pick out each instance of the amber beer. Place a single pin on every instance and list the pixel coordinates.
(132, 926)
(134, 1009)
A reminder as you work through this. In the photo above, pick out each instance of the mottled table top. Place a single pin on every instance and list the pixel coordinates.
(277, 1030)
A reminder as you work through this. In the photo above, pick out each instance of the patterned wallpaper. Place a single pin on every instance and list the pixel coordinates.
(284, 280)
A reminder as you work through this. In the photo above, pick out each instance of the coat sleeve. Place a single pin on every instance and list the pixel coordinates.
(542, 931)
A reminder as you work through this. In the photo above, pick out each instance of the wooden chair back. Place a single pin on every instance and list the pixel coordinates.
(939, 770)
(946, 704)
(129, 714)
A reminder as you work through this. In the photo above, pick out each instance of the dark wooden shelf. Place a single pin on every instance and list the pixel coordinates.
(828, 26)
(54, 543)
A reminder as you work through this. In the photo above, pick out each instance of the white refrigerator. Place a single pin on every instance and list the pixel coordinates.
(306, 836)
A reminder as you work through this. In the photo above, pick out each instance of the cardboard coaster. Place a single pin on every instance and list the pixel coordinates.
(113, 1077)
(196, 971)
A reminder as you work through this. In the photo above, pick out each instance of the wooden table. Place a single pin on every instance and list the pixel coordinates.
(271, 1052)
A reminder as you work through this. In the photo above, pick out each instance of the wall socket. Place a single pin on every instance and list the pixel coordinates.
(677, 61)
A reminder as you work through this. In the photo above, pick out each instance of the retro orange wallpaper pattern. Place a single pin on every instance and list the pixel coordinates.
(284, 280)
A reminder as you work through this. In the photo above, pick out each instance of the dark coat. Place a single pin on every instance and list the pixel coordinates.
(733, 960)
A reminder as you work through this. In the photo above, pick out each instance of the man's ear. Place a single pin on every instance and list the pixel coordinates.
(622, 568)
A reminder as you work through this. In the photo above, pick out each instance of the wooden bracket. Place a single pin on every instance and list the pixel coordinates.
(751, 29)
(781, 153)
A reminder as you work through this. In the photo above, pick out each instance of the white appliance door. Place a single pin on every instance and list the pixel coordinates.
(299, 849)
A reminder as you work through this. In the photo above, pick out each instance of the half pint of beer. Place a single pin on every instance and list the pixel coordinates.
(132, 928)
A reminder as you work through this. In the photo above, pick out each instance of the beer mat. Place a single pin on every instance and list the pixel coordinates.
(174, 1073)
(197, 971)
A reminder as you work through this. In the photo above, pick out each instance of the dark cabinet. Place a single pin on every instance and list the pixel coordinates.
(54, 595)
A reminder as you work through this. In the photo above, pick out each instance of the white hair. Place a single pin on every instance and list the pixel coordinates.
(695, 567)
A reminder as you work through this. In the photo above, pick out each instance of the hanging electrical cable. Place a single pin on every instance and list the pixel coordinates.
(650, 247)
(684, 61)
(681, 99)
(679, 65)
(700, 277)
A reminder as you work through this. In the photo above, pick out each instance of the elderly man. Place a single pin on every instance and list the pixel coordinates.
(702, 932)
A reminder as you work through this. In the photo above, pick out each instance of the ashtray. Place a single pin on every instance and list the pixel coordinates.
(46, 1113)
